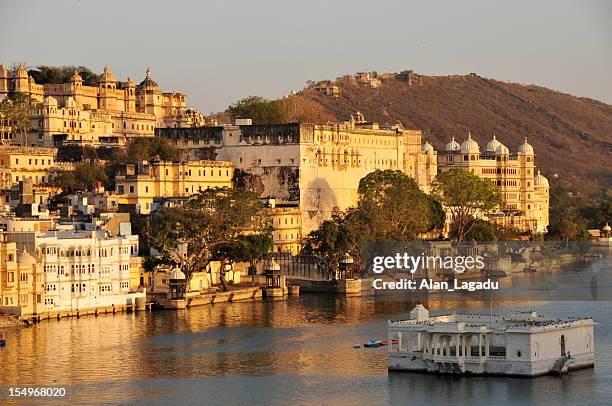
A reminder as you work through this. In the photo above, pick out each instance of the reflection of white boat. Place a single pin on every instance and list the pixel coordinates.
(521, 343)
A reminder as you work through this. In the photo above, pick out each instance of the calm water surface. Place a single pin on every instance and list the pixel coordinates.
(288, 352)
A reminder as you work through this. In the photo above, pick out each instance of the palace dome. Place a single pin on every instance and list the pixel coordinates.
(493, 144)
(107, 75)
(502, 150)
(76, 77)
(540, 180)
(177, 274)
(26, 260)
(148, 82)
(50, 101)
(607, 227)
(469, 145)
(21, 72)
(427, 148)
(452, 145)
(525, 148)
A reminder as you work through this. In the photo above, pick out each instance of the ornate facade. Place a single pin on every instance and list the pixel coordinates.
(141, 184)
(314, 167)
(107, 114)
(523, 188)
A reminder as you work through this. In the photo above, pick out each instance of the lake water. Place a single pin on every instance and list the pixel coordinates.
(286, 352)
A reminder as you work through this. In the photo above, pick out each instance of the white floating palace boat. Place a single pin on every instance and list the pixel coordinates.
(519, 343)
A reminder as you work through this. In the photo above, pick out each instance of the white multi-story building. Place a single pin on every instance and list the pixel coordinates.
(82, 270)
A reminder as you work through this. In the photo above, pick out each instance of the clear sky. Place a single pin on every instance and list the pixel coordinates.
(217, 51)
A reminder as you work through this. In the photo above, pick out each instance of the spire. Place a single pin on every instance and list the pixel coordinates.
(494, 137)
(148, 75)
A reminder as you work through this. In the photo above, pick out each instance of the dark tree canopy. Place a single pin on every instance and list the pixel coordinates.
(85, 176)
(207, 226)
(394, 208)
(467, 197)
(43, 74)
(261, 110)
(391, 207)
(146, 149)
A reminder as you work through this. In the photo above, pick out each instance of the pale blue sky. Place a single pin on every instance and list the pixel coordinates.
(218, 51)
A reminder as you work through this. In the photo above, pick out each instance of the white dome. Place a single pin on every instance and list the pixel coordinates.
(607, 227)
(273, 265)
(493, 144)
(453, 145)
(525, 148)
(502, 150)
(50, 101)
(540, 180)
(26, 260)
(427, 148)
(470, 146)
(177, 274)
(70, 102)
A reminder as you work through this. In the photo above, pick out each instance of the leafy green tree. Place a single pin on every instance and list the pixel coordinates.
(339, 235)
(261, 110)
(247, 248)
(15, 111)
(85, 176)
(145, 149)
(565, 222)
(392, 207)
(202, 228)
(43, 74)
(467, 197)
(481, 231)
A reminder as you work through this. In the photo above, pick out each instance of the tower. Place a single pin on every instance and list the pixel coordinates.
(106, 93)
(130, 95)
(149, 97)
(21, 82)
(4, 82)
(76, 88)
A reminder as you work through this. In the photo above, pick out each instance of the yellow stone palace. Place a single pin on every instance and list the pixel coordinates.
(524, 189)
(140, 184)
(107, 114)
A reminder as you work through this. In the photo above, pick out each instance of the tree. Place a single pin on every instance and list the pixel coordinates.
(392, 207)
(85, 176)
(566, 223)
(15, 112)
(202, 228)
(247, 248)
(467, 197)
(335, 237)
(44, 74)
(145, 149)
(261, 110)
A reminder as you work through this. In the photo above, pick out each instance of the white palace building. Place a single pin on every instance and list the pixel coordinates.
(521, 344)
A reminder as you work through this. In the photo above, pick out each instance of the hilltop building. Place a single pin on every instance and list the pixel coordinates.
(524, 189)
(107, 114)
